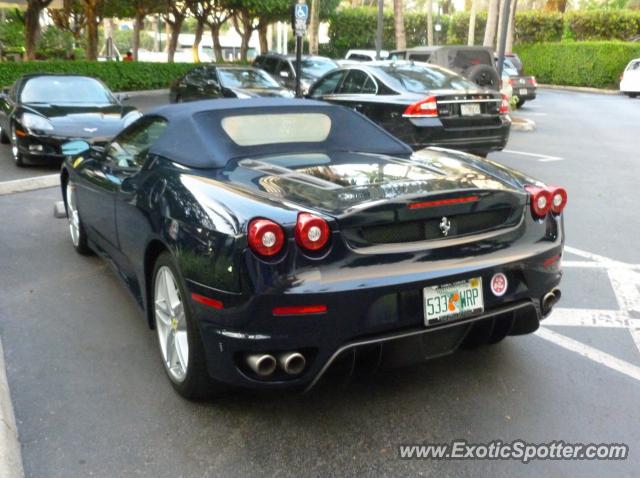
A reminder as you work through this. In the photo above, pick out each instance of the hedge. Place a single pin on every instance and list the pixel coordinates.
(595, 64)
(356, 27)
(118, 76)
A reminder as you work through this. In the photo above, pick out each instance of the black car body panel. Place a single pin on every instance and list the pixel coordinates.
(207, 82)
(68, 120)
(282, 68)
(382, 252)
(386, 101)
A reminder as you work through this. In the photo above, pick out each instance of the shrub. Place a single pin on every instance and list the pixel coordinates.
(603, 24)
(459, 28)
(595, 64)
(537, 26)
(55, 44)
(118, 76)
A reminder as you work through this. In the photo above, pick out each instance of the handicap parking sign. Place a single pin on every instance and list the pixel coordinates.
(301, 11)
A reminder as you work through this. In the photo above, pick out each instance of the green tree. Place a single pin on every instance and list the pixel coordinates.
(174, 15)
(32, 26)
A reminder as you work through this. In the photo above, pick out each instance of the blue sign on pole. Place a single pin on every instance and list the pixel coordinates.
(302, 11)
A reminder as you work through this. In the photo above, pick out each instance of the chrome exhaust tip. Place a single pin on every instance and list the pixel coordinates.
(558, 295)
(292, 363)
(548, 301)
(262, 364)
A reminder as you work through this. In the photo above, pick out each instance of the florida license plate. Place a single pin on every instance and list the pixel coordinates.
(523, 91)
(447, 302)
(472, 109)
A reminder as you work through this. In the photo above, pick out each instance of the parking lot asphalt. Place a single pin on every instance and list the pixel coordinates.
(91, 398)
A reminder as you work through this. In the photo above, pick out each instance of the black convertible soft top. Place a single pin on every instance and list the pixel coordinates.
(195, 136)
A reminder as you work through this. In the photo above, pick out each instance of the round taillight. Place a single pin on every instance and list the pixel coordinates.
(558, 199)
(265, 237)
(312, 232)
(540, 201)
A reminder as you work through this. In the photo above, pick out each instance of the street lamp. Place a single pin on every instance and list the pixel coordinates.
(437, 27)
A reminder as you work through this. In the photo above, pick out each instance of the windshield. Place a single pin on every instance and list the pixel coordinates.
(246, 78)
(313, 68)
(64, 90)
(509, 69)
(421, 79)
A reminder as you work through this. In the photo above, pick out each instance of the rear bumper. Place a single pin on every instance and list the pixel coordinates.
(363, 316)
(423, 132)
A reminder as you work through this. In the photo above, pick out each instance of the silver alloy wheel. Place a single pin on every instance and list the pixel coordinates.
(171, 325)
(73, 216)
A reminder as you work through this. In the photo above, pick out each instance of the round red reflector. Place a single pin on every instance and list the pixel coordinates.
(265, 237)
(312, 232)
(499, 284)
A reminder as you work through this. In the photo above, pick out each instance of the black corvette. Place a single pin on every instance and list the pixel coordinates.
(229, 81)
(270, 241)
(423, 105)
(42, 111)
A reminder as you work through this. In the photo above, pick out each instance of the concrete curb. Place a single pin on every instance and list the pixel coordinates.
(522, 124)
(10, 453)
(29, 184)
(133, 94)
(580, 89)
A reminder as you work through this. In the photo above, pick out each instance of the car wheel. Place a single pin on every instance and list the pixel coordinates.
(179, 336)
(632, 95)
(519, 103)
(76, 228)
(15, 151)
(4, 139)
(484, 75)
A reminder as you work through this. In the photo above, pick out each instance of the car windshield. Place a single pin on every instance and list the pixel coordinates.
(509, 69)
(634, 65)
(421, 79)
(313, 68)
(245, 78)
(65, 90)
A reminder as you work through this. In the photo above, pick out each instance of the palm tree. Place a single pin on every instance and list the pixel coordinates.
(398, 20)
(472, 23)
(492, 20)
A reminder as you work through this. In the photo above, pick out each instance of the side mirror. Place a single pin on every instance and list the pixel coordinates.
(123, 97)
(211, 83)
(284, 74)
(75, 148)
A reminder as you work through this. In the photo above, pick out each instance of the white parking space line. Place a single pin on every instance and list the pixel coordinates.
(625, 283)
(29, 184)
(543, 158)
(590, 353)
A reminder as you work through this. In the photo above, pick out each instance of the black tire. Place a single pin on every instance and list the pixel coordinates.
(18, 159)
(197, 384)
(482, 154)
(632, 95)
(484, 75)
(4, 139)
(81, 245)
(519, 103)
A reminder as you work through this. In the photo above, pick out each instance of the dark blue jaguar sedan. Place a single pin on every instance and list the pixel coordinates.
(271, 241)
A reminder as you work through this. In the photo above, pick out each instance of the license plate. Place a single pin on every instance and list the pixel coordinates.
(447, 302)
(524, 91)
(472, 109)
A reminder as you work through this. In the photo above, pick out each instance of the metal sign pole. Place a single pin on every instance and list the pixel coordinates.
(300, 19)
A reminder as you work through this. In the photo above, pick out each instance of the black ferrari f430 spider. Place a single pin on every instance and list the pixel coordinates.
(268, 240)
